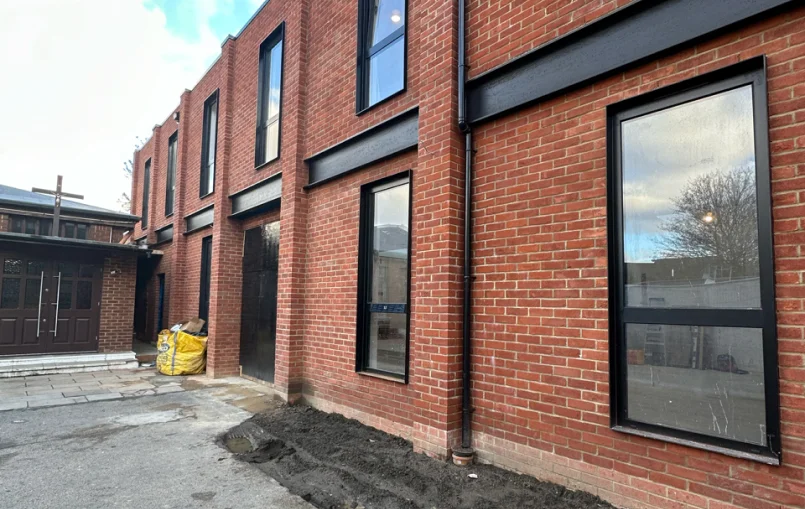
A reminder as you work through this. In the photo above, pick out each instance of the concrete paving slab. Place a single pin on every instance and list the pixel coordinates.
(89, 392)
(4, 405)
(55, 402)
(104, 397)
(168, 390)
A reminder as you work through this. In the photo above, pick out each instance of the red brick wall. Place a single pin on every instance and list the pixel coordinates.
(141, 156)
(541, 367)
(330, 303)
(500, 30)
(242, 171)
(117, 303)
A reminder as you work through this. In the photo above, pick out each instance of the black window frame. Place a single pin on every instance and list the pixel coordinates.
(146, 194)
(365, 231)
(366, 51)
(752, 71)
(204, 180)
(205, 281)
(21, 224)
(170, 173)
(263, 92)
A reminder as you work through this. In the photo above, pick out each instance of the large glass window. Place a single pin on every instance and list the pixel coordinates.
(691, 277)
(146, 195)
(209, 144)
(170, 182)
(383, 290)
(269, 99)
(381, 50)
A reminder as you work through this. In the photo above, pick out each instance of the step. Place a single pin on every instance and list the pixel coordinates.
(29, 365)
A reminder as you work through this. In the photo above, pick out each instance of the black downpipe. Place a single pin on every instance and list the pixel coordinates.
(466, 451)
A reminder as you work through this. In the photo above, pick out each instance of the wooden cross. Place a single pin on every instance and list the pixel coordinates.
(58, 194)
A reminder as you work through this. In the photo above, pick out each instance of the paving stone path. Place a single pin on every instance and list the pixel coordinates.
(66, 389)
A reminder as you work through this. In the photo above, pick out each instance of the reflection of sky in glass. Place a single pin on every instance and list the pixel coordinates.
(663, 151)
(213, 127)
(386, 71)
(383, 24)
(391, 206)
(275, 80)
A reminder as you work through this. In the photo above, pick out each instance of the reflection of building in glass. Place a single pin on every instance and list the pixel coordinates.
(390, 285)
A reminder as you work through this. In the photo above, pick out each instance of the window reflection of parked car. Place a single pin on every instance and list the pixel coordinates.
(726, 362)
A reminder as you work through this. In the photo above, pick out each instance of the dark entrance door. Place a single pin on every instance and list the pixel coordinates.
(48, 306)
(258, 334)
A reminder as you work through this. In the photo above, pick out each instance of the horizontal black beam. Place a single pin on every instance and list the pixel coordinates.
(395, 135)
(263, 196)
(752, 318)
(165, 234)
(199, 219)
(641, 30)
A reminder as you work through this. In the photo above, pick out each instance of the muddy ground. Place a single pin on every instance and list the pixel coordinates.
(338, 463)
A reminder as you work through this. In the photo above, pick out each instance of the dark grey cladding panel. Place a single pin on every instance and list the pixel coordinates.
(259, 197)
(165, 234)
(199, 219)
(635, 33)
(395, 135)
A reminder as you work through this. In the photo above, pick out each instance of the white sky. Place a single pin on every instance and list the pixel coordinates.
(81, 79)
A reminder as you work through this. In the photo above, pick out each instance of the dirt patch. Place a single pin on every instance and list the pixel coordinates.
(338, 463)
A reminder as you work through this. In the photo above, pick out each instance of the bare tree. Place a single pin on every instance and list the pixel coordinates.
(716, 216)
(124, 202)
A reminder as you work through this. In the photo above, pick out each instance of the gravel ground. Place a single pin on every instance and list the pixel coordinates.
(338, 463)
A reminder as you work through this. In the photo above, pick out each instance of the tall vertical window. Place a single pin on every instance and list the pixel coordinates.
(384, 266)
(381, 50)
(209, 143)
(146, 194)
(206, 276)
(693, 334)
(269, 98)
(170, 182)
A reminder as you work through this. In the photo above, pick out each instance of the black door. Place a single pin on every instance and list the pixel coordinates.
(204, 287)
(258, 335)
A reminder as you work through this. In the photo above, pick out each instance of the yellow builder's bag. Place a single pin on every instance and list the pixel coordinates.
(181, 353)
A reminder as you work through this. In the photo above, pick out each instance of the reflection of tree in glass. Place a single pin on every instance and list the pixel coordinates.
(715, 215)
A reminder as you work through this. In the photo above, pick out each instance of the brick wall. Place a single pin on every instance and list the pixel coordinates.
(117, 303)
(540, 333)
(540, 300)
(330, 306)
(499, 31)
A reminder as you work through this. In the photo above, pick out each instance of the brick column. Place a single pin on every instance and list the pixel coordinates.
(152, 196)
(437, 233)
(177, 308)
(223, 347)
(293, 219)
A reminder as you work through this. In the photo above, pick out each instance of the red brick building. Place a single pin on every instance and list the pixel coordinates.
(635, 313)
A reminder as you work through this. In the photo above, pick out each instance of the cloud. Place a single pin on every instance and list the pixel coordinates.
(83, 78)
(663, 151)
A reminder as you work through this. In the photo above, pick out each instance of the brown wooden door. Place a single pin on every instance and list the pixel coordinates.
(74, 307)
(46, 306)
(23, 321)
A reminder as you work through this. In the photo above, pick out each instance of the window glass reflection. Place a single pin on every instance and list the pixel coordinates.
(690, 205)
(386, 71)
(707, 380)
(387, 342)
(387, 16)
(388, 283)
(390, 246)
